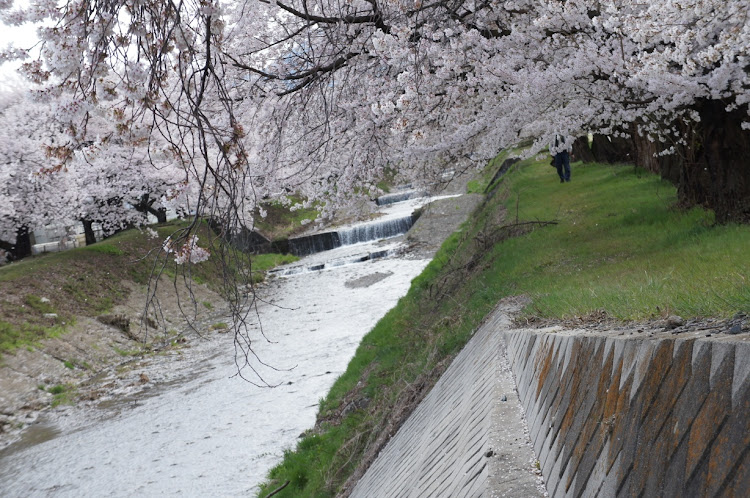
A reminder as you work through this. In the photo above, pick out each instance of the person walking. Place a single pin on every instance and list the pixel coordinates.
(560, 150)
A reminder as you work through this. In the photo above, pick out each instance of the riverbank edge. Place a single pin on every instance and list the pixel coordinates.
(468, 437)
(98, 311)
(610, 411)
(362, 412)
(94, 361)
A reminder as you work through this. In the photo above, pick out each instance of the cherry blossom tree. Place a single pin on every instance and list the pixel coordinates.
(117, 183)
(27, 194)
(257, 99)
(104, 179)
(318, 97)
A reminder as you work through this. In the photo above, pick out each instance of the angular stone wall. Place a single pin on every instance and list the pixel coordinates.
(618, 414)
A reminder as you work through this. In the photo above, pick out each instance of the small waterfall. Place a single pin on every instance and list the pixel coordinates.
(376, 230)
(311, 244)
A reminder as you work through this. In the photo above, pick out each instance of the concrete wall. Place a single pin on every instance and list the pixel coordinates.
(620, 414)
(466, 438)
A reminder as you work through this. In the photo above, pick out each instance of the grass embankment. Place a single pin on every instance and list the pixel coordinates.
(619, 245)
(281, 222)
(40, 296)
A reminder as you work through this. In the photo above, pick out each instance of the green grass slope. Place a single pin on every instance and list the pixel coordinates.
(620, 246)
(617, 245)
(40, 296)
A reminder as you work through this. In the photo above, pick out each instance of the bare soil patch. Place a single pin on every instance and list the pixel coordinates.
(601, 321)
(64, 369)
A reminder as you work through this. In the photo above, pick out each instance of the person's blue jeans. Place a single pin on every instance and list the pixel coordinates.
(562, 163)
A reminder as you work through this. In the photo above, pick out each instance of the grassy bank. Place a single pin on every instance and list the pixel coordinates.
(610, 241)
(40, 296)
(281, 223)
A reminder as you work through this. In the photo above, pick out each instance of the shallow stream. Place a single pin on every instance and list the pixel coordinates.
(201, 430)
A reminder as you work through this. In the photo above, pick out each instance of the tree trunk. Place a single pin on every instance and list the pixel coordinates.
(161, 215)
(645, 153)
(146, 206)
(88, 230)
(582, 151)
(715, 164)
(23, 243)
(21, 248)
(646, 156)
(608, 149)
(712, 168)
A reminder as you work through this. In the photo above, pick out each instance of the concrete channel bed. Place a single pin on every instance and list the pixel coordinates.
(615, 413)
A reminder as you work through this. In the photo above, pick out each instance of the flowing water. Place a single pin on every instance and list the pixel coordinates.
(202, 430)
(396, 218)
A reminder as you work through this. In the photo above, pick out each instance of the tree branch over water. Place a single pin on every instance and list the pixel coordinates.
(316, 102)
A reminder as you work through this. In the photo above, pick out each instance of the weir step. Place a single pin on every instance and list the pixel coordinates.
(325, 241)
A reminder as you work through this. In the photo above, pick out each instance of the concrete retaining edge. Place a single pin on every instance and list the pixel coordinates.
(467, 438)
(620, 414)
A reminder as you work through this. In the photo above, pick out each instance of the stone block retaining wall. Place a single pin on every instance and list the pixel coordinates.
(620, 414)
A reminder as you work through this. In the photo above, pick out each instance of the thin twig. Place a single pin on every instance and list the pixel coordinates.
(277, 490)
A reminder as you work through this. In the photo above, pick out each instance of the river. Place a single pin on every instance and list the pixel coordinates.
(202, 430)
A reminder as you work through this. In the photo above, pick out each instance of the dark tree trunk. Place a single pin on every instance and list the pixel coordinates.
(88, 230)
(608, 149)
(161, 215)
(21, 248)
(715, 164)
(712, 168)
(582, 151)
(23, 243)
(645, 155)
(146, 205)
(6, 249)
(670, 168)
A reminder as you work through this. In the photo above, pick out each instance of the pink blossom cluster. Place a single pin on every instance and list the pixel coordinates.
(254, 100)
(53, 172)
(189, 251)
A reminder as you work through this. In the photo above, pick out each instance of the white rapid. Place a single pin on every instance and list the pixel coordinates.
(201, 431)
(396, 218)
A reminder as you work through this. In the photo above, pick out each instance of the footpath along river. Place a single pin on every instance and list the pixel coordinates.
(202, 430)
